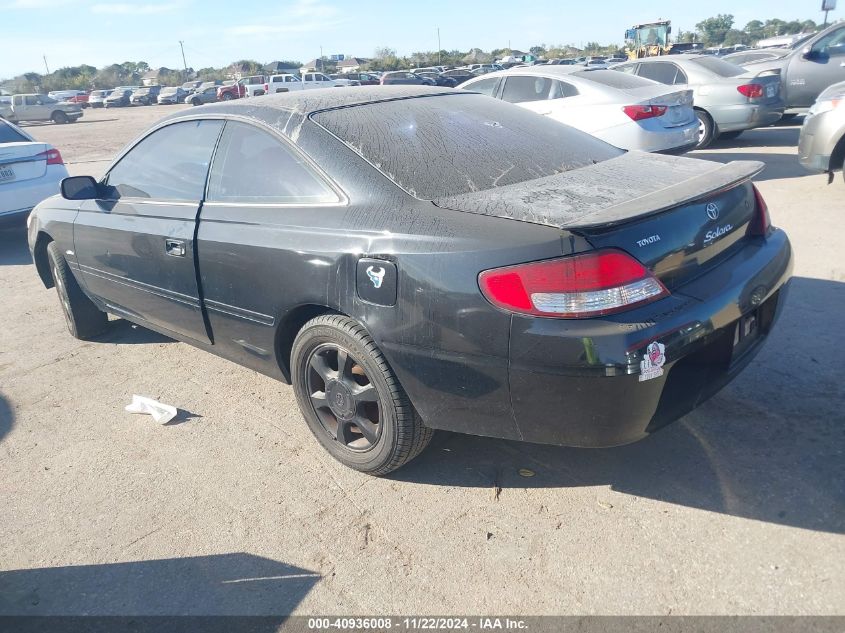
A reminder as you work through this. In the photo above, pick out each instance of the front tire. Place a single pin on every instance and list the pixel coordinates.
(195, 102)
(706, 129)
(84, 320)
(351, 399)
(228, 96)
(59, 117)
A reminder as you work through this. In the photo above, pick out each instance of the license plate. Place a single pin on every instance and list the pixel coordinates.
(771, 90)
(6, 174)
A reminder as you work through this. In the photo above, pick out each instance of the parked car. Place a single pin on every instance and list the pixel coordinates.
(728, 99)
(119, 98)
(97, 98)
(596, 64)
(286, 82)
(625, 111)
(321, 80)
(81, 99)
(191, 86)
(808, 70)
(383, 254)
(363, 79)
(459, 75)
(438, 79)
(235, 90)
(202, 95)
(403, 77)
(36, 107)
(64, 95)
(821, 146)
(145, 95)
(30, 171)
(170, 96)
(755, 55)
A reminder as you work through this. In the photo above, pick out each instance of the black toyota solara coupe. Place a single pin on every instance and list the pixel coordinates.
(415, 258)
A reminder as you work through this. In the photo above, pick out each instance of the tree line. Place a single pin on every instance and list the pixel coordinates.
(719, 31)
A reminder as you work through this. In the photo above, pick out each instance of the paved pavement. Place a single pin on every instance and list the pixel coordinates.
(739, 508)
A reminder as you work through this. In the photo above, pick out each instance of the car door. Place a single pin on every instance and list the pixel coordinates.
(266, 209)
(809, 74)
(135, 245)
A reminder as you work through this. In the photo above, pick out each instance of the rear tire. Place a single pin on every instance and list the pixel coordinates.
(351, 399)
(59, 117)
(196, 102)
(84, 320)
(706, 129)
(729, 136)
(228, 96)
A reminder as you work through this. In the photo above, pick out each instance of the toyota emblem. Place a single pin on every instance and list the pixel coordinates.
(712, 211)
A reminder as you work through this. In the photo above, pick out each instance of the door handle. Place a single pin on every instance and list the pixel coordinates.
(174, 248)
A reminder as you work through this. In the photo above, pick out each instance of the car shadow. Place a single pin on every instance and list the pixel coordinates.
(123, 332)
(14, 250)
(237, 584)
(752, 451)
(7, 417)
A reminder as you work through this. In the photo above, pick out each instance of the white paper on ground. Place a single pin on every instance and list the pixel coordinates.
(162, 413)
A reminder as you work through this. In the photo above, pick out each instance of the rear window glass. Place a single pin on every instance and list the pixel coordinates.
(456, 144)
(8, 134)
(613, 79)
(719, 66)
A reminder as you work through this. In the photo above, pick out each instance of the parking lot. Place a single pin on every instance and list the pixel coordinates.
(233, 508)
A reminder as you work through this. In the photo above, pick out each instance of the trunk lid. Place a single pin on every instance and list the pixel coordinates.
(678, 216)
(22, 161)
(678, 103)
(771, 86)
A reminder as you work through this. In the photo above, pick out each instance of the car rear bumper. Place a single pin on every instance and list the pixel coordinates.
(577, 383)
(652, 137)
(745, 116)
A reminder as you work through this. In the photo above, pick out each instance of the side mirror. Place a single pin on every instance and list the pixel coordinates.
(79, 188)
(807, 53)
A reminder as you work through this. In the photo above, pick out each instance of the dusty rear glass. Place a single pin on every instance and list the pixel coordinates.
(719, 66)
(454, 144)
(613, 79)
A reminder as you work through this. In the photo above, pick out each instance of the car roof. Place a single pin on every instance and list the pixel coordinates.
(299, 105)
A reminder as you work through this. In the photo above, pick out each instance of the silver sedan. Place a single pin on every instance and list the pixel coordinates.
(628, 112)
(821, 147)
(728, 98)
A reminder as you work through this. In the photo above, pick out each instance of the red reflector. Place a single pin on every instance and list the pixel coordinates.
(640, 112)
(580, 286)
(53, 157)
(762, 223)
(752, 91)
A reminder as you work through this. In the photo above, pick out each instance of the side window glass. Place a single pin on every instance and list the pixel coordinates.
(522, 89)
(169, 164)
(485, 86)
(832, 44)
(627, 69)
(681, 76)
(30, 100)
(561, 89)
(252, 166)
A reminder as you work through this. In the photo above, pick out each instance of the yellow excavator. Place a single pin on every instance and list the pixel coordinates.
(652, 39)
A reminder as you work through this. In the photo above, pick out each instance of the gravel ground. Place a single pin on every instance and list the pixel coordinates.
(738, 508)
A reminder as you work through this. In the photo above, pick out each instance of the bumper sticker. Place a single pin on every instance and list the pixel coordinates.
(651, 366)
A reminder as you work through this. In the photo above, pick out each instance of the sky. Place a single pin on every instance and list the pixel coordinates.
(215, 33)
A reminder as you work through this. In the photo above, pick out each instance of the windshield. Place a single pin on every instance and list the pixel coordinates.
(719, 66)
(169, 91)
(8, 134)
(455, 144)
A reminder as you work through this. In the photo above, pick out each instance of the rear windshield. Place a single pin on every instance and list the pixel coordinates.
(719, 66)
(8, 134)
(455, 144)
(613, 79)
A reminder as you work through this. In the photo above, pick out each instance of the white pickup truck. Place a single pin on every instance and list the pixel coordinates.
(35, 107)
(288, 83)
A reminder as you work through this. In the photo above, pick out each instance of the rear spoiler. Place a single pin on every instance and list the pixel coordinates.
(631, 186)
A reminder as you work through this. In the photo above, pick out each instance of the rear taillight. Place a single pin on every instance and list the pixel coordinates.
(53, 157)
(576, 287)
(640, 112)
(266, 88)
(761, 224)
(752, 91)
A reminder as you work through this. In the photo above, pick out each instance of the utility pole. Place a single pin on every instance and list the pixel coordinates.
(184, 63)
(45, 64)
(320, 64)
(438, 46)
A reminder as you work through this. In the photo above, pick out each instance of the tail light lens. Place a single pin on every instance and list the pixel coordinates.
(52, 156)
(576, 287)
(762, 223)
(266, 88)
(640, 112)
(752, 91)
